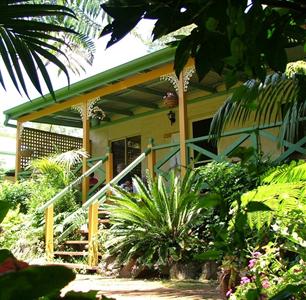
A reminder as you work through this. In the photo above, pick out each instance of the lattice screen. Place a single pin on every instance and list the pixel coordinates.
(37, 143)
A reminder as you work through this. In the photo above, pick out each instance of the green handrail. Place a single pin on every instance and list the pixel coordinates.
(117, 178)
(72, 184)
(101, 195)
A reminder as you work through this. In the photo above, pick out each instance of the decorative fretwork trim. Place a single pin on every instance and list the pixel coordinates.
(172, 78)
(90, 105)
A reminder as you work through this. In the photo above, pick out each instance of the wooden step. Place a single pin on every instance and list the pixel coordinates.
(104, 212)
(76, 266)
(70, 253)
(103, 221)
(76, 242)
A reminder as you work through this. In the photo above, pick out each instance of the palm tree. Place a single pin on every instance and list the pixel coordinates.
(34, 33)
(282, 97)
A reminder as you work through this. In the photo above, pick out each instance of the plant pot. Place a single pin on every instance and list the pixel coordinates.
(170, 100)
(94, 122)
(183, 270)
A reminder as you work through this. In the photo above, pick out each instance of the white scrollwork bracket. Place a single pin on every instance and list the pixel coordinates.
(90, 105)
(172, 78)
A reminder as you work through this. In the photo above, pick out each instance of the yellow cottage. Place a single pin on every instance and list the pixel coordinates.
(140, 115)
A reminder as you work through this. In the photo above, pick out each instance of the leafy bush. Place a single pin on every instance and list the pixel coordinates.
(274, 227)
(17, 194)
(158, 224)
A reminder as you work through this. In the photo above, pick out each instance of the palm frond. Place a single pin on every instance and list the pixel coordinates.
(70, 158)
(24, 27)
(154, 223)
(279, 197)
(293, 172)
(282, 97)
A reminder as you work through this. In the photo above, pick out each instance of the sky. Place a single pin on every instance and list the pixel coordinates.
(127, 49)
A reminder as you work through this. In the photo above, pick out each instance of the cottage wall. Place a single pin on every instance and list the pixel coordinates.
(157, 126)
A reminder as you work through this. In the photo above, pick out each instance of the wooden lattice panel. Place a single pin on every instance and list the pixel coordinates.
(37, 143)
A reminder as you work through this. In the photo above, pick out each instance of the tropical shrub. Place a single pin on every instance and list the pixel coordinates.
(274, 217)
(19, 280)
(18, 194)
(157, 224)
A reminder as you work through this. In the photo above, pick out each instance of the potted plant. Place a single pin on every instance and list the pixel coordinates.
(170, 100)
(97, 115)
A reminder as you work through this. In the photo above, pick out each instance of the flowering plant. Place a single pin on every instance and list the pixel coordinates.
(98, 113)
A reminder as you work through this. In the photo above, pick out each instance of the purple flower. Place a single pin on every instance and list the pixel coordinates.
(252, 263)
(245, 280)
(265, 283)
(256, 254)
(229, 292)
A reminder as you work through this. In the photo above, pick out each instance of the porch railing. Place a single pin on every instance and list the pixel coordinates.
(255, 137)
(92, 205)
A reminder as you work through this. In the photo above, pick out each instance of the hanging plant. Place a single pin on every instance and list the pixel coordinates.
(170, 100)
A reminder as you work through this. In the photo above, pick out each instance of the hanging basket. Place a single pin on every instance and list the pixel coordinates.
(170, 100)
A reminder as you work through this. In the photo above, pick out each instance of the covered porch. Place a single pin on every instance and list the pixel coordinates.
(129, 101)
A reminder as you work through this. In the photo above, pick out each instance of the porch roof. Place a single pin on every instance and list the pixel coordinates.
(129, 90)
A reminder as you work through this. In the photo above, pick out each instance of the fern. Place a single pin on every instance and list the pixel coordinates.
(293, 172)
(280, 198)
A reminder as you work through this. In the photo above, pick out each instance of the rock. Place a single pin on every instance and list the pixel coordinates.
(182, 271)
(209, 271)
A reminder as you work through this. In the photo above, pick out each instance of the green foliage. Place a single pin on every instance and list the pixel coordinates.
(157, 225)
(225, 179)
(279, 98)
(295, 171)
(280, 198)
(230, 37)
(18, 280)
(17, 194)
(24, 46)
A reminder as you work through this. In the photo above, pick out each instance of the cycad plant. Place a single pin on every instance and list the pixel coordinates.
(157, 224)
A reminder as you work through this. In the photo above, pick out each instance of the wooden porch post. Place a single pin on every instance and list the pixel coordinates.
(109, 167)
(18, 148)
(86, 146)
(183, 125)
(49, 222)
(93, 227)
(151, 159)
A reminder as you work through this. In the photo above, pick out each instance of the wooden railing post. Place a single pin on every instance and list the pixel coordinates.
(93, 234)
(49, 244)
(18, 148)
(151, 158)
(109, 167)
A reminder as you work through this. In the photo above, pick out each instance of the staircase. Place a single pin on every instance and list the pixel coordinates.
(87, 245)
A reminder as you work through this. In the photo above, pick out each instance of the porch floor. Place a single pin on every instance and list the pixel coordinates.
(128, 289)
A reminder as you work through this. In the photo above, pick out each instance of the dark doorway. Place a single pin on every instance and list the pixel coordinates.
(126, 151)
(199, 129)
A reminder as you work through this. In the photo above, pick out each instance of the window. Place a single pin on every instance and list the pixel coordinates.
(201, 128)
(126, 151)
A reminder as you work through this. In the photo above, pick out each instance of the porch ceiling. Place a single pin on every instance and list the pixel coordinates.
(129, 102)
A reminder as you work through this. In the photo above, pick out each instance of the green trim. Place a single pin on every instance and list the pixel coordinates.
(130, 101)
(104, 78)
(161, 109)
(52, 121)
(124, 112)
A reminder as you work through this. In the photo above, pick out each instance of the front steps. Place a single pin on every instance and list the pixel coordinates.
(74, 250)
